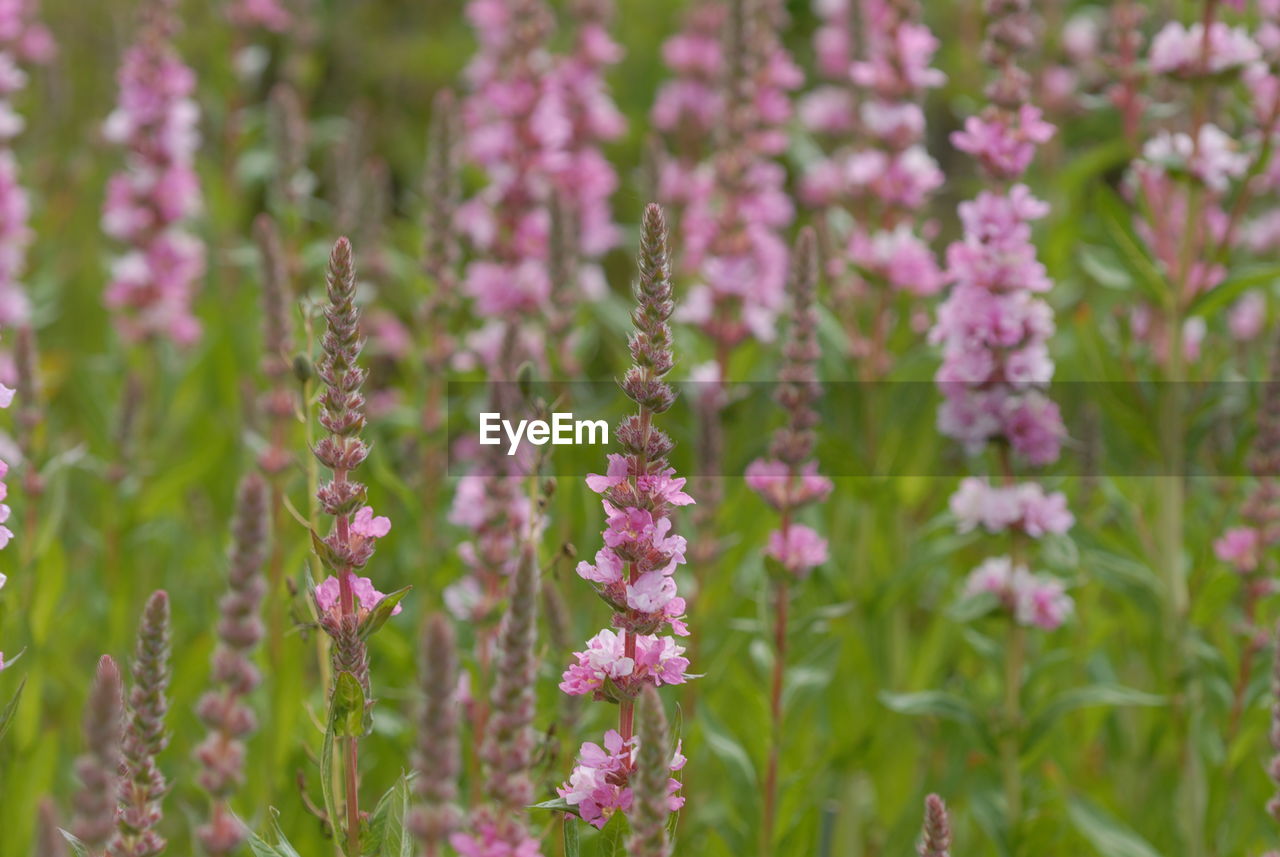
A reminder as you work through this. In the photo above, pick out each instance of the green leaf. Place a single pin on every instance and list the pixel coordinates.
(326, 777)
(386, 835)
(1107, 835)
(1089, 696)
(323, 551)
(261, 848)
(1118, 227)
(730, 752)
(613, 838)
(346, 707)
(931, 703)
(572, 848)
(6, 715)
(557, 805)
(1210, 302)
(379, 615)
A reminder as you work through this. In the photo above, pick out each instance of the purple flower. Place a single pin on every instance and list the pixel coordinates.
(1241, 547)
(1004, 143)
(600, 782)
(1180, 51)
(328, 591)
(799, 548)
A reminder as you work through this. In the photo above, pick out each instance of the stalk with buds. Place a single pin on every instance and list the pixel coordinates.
(632, 573)
(223, 708)
(788, 481)
(144, 785)
(98, 769)
(437, 759)
(348, 606)
(935, 837)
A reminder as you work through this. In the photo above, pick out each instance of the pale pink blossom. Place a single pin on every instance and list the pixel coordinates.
(1240, 547)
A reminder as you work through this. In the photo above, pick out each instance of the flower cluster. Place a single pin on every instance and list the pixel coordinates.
(876, 176)
(534, 122)
(22, 39)
(600, 783)
(497, 513)
(994, 329)
(633, 571)
(147, 205)
(1034, 599)
(1025, 507)
(735, 206)
(1187, 53)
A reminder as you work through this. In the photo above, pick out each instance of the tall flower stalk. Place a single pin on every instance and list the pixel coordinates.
(994, 330)
(23, 40)
(935, 836)
(144, 785)
(437, 758)
(98, 769)
(632, 573)
(788, 481)
(874, 191)
(348, 606)
(508, 741)
(149, 203)
(223, 708)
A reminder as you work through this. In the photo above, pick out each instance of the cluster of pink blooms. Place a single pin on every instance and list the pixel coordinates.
(363, 529)
(1241, 547)
(598, 786)
(1023, 507)
(734, 204)
(885, 176)
(498, 515)
(147, 205)
(994, 329)
(799, 548)
(1180, 51)
(270, 15)
(534, 123)
(22, 39)
(632, 573)
(1033, 599)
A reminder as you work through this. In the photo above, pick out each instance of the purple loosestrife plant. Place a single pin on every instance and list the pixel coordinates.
(149, 203)
(788, 481)
(144, 787)
(23, 40)
(1248, 548)
(438, 756)
(223, 708)
(632, 573)
(96, 804)
(279, 401)
(499, 826)
(994, 329)
(348, 606)
(652, 785)
(935, 836)
(873, 191)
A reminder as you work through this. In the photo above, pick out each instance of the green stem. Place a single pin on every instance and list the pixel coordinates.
(1011, 744)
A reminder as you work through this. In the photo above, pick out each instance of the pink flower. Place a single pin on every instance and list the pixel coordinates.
(1179, 51)
(488, 841)
(1215, 160)
(1004, 143)
(658, 661)
(1025, 506)
(799, 548)
(328, 594)
(772, 480)
(1241, 547)
(365, 525)
(1032, 600)
(599, 784)
(1248, 316)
